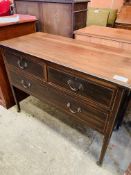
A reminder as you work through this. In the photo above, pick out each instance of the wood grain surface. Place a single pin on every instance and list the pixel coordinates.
(106, 32)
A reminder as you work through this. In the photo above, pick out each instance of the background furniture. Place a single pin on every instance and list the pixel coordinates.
(124, 18)
(101, 16)
(114, 4)
(25, 26)
(68, 74)
(97, 17)
(59, 17)
(119, 38)
(127, 2)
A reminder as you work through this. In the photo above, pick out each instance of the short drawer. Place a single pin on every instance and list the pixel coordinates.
(25, 63)
(98, 93)
(80, 111)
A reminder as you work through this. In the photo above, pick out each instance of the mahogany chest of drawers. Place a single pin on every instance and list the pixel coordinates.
(68, 75)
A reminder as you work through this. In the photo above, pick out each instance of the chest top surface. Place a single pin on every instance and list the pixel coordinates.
(76, 55)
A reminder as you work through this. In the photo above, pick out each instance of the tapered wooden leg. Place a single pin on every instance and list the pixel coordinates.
(123, 109)
(18, 107)
(103, 150)
(16, 100)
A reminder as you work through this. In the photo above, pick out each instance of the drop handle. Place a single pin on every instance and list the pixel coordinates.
(80, 86)
(25, 84)
(78, 110)
(22, 64)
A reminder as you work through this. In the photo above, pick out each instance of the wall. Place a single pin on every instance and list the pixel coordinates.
(107, 3)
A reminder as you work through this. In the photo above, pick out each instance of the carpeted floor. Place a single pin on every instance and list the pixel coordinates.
(43, 141)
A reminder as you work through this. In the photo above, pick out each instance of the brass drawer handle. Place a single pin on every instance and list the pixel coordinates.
(78, 110)
(70, 82)
(25, 84)
(22, 64)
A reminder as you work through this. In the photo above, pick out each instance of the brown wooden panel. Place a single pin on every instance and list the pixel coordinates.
(16, 30)
(54, 18)
(30, 8)
(89, 115)
(80, 15)
(80, 6)
(25, 63)
(57, 18)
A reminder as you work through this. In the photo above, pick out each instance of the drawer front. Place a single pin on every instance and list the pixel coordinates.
(91, 116)
(25, 63)
(95, 92)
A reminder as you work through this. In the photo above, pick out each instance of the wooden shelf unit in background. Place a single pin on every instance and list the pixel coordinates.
(58, 17)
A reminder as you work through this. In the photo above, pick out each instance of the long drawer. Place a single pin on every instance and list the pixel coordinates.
(25, 63)
(85, 113)
(96, 92)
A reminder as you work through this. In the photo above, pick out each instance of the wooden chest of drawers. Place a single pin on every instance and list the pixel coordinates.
(67, 75)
